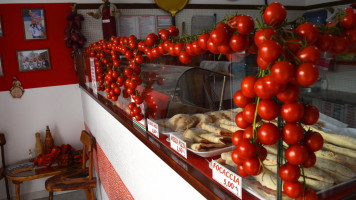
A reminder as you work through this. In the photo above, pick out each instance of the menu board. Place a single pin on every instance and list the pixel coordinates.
(140, 26)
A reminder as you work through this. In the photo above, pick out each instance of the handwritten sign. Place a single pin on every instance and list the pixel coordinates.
(152, 128)
(178, 145)
(93, 75)
(227, 179)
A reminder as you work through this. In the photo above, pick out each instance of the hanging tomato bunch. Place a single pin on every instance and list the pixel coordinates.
(286, 57)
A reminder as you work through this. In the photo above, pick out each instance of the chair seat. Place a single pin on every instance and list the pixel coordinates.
(72, 180)
(2, 173)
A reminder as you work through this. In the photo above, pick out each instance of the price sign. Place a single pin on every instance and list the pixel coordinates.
(178, 145)
(152, 128)
(93, 75)
(228, 179)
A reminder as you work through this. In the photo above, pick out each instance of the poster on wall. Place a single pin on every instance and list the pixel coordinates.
(140, 26)
(1, 29)
(1, 70)
(34, 24)
(31, 60)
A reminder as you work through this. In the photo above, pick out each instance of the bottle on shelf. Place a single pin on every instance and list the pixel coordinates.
(49, 143)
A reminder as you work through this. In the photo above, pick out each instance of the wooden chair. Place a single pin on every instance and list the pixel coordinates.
(77, 179)
(2, 170)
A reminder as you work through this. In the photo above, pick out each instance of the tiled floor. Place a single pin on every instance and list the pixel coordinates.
(75, 195)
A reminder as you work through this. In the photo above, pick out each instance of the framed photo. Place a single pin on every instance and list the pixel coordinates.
(31, 60)
(1, 69)
(1, 29)
(34, 24)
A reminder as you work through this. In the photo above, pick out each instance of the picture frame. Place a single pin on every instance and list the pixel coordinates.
(34, 59)
(1, 28)
(34, 24)
(1, 67)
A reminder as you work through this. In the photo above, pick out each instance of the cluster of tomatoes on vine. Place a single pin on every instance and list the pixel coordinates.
(287, 59)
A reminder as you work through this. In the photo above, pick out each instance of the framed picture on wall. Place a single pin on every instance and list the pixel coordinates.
(31, 60)
(34, 24)
(1, 69)
(1, 29)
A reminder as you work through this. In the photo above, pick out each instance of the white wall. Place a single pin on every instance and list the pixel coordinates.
(144, 174)
(59, 107)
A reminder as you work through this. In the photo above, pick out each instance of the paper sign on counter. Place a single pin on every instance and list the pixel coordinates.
(93, 75)
(178, 145)
(152, 127)
(228, 179)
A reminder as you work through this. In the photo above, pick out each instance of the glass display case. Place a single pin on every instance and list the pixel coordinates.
(196, 106)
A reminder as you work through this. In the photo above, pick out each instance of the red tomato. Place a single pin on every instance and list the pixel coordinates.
(292, 112)
(292, 133)
(238, 43)
(252, 166)
(308, 31)
(139, 117)
(261, 152)
(282, 72)
(219, 36)
(274, 14)
(309, 195)
(164, 34)
(151, 39)
(339, 45)
(289, 172)
(161, 49)
(313, 141)
(351, 35)
(237, 137)
(139, 59)
(166, 45)
(189, 50)
(248, 133)
(249, 112)
(203, 40)
(136, 110)
(293, 189)
(245, 24)
(324, 42)
(270, 50)
(240, 122)
(290, 94)
(235, 158)
(224, 49)
(196, 48)
(184, 57)
(174, 31)
(212, 47)
(131, 105)
(155, 52)
(268, 134)
(311, 115)
(262, 63)
(268, 109)
(247, 86)
(310, 162)
(240, 100)
(307, 74)
(241, 171)
(294, 45)
(178, 48)
(296, 154)
(171, 50)
(264, 34)
(309, 54)
(246, 149)
(348, 21)
(266, 88)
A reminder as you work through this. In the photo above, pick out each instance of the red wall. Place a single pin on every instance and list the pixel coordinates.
(62, 68)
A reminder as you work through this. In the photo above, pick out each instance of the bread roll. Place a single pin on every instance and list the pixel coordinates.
(340, 150)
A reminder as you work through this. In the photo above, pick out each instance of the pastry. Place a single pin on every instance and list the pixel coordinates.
(215, 129)
(180, 122)
(193, 135)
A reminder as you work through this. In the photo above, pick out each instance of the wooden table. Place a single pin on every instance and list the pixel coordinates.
(26, 171)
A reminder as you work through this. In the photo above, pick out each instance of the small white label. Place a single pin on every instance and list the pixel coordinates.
(228, 179)
(106, 21)
(178, 145)
(93, 76)
(152, 128)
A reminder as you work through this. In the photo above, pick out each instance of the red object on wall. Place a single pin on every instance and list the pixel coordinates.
(62, 67)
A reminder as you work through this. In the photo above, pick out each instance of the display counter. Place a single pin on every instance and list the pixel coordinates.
(175, 92)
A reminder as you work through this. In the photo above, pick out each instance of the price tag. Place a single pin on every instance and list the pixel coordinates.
(152, 128)
(178, 145)
(93, 75)
(228, 179)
